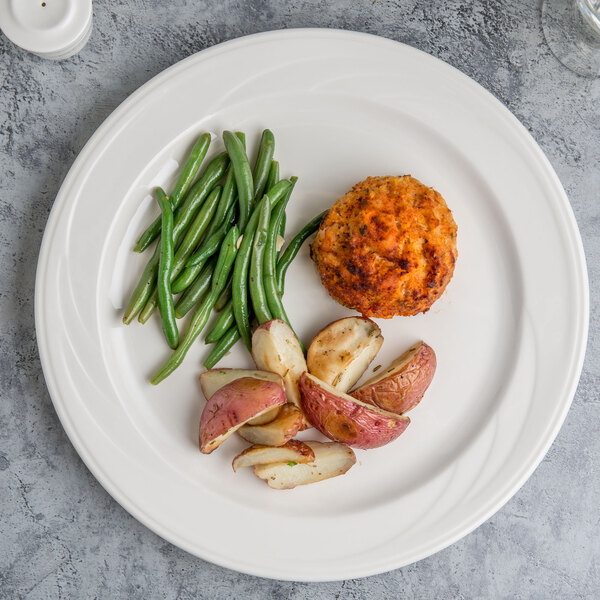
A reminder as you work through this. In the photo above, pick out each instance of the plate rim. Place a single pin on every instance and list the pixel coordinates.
(61, 201)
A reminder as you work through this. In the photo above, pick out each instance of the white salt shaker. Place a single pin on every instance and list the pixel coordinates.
(54, 29)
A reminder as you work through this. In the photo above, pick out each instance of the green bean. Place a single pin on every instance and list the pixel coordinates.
(228, 196)
(144, 288)
(257, 290)
(205, 249)
(224, 321)
(285, 260)
(282, 226)
(243, 174)
(222, 347)
(187, 278)
(200, 190)
(226, 202)
(224, 296)
(239, 288)
(196, 325)
(219, 279)
(273, 176)
(224, 304)
(194, 292)
(189, 242)
(191, 280)
(209, 246)
(196, 230)
(270, 281)
(190, 168)
(215, 233)
(225, 261)
(273, 179)
(182, 217)
(165, 264)
(262, 165)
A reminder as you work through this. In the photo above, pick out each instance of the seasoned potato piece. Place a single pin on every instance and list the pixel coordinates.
(401, 386)
(276, 433)
(233, 405)
(345, 419)
(292, 451)
(275, 348)
(331, 459)
(214, 379)
(341, 352)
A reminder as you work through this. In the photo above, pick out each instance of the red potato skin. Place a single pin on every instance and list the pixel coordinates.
(347, 422)
(402, 391)
(235, 404)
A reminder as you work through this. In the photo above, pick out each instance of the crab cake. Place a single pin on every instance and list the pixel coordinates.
(386, 248)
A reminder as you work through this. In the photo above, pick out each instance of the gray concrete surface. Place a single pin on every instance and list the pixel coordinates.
(61, 534)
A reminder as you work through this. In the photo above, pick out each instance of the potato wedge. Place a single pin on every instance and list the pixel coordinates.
(292, 451)
(276, 433)
(348, 420)
(275, 348)
(214, 379)
(331, 459)
(341, 352)
(266, 417)
(233, 405)
(401, 386)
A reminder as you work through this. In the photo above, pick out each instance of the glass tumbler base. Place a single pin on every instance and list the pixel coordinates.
(573, 41)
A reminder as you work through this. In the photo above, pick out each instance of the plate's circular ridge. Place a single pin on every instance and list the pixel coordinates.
(85, 428)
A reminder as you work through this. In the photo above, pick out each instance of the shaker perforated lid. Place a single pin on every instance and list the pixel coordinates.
(54, 29)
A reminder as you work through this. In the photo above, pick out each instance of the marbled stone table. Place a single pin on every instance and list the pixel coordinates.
(61, 534)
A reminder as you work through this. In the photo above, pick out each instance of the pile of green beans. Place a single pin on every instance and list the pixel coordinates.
(217, 247)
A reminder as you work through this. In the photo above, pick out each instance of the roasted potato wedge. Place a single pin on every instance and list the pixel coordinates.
(331, 459)
(341, 352)
(276, 433)
(266, 417)
(214, 379)
(275, 348)
(401, 386)
(292, 451)
(345, 419)
(233, 405)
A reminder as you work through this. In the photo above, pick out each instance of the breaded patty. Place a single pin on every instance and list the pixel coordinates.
(387, 247)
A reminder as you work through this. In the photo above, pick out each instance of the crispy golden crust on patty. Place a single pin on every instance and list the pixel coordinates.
(387, 247)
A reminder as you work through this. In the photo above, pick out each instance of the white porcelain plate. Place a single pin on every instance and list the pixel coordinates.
(509, 332)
